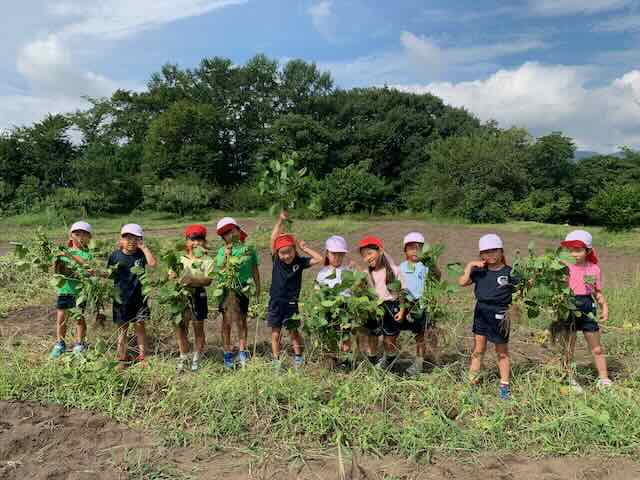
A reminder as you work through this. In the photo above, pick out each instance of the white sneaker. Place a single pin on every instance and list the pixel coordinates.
(415, 368)
(575, 386)
(195, 363)
(604, 383)
(181, 365)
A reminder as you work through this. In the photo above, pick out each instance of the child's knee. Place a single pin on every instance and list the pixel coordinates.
(597, 351)
(420, 338)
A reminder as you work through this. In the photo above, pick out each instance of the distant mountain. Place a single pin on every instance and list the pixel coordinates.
(580, 154)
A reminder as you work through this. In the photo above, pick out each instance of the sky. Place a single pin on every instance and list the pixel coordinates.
(545, 65)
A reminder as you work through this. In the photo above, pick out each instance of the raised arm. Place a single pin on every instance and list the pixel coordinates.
(316, 257)
(278, 229)
(151, 260)
(465, 278)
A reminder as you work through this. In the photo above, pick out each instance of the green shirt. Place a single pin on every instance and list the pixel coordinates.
(69, 286)
(245, 270)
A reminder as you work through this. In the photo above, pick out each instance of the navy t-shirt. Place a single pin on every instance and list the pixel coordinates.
(286, 280)
(127, 282)
(494, 287)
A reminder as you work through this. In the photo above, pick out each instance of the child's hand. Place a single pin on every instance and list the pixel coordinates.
(141, 244)
(604, 316)
(227, 250)
(303, 245)
(477, 264)
(172, 275)
(399, 316)
(352, 265)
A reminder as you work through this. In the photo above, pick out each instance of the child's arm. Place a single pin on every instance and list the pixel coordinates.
(602, 303)
(316, 257)
(256, 279)
(465, 278)
(151, 260)
(278, 229)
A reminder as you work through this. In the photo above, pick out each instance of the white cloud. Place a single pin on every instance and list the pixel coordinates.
(566, 7)
(322, 18)
(544, 98)
(114, 19)
(626, 23)
(19, 110)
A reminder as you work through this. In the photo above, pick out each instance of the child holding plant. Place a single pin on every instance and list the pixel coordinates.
(79, 237)
(331, 274)
(585, 281)
(286, 282)
(197, 268)
(414, 274)
(235, 304)
(132, 252)
(384, 277)
(494, 287)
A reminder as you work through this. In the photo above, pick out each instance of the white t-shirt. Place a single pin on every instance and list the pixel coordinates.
(328, 271)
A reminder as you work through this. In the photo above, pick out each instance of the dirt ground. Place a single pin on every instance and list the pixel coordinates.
(53, 443)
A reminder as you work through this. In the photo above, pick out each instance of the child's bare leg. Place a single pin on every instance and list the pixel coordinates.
(593, 340)
(141, 336)
(61, 324)
(198, 334)
(390, 345)
(479, 347)
(569, 345)
(502, 349)
(226, 330)
(122, 341)
(242, 331)
(296, 340)
(372, 345)
(81, 330)
(275, 341)
(181, 336)
(420, 345)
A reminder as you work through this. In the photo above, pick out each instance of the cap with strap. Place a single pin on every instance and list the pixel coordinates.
(195, 231)
(283, 241)
(370, 241)
(132, 229)
(227, 224)
(581, 239)
(83, 226)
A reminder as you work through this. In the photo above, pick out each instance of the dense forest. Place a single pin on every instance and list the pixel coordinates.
(200, 138)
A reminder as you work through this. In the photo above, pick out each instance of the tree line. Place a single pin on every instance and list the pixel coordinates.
(200, 138)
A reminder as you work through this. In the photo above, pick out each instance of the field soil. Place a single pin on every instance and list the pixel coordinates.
(48, 442)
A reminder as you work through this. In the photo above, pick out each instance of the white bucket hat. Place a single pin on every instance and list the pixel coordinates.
(579, 236)
(84, 226)
(413, 237)
(227, 221)
(490, 241)
(336, 244)
(132, 229)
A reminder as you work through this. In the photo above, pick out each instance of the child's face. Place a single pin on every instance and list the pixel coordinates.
(411, 251)
(579, 254)
(80, 238)
(287, 254)
(492, 257)
(193, 243)
(130, 242)
(335, 259)
(371, 256)
(232, 235)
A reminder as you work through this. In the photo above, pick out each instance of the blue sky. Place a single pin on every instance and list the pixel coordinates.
(569, 65)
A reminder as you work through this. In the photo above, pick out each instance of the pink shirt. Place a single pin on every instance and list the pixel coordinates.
(577, 274)
(379, 281)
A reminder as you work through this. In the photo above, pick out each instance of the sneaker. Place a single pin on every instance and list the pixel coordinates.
(58, 349)
(276, 365)
(505, 392)
(415, 368)
(228, 360)
(385, 362)
(181, 365)
(575, 386)
(79, 348)
(196, 362)
(298, 361)
(243, 357)
(604, 383)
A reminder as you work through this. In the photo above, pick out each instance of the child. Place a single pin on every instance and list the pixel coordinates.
(286, 283)
(132, 307)
(331, 274)
(414, 274)
(383, 273)
(579, 243)
(79, 237)
(235, 305)
(197, 277)
(494, 287)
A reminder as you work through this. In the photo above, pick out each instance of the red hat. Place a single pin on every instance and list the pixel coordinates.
(195, 231)
(227, 224)
(370, 241)
(284, 240)
(581, 239)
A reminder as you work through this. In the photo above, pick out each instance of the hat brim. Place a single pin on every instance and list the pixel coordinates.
(574, 244)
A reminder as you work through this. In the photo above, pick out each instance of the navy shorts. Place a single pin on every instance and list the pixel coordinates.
(199, 306)
(586, 321)
(134, 310)
(280, 314)
(243, 303)
(392, 328)
(66, 302)
(492, 321)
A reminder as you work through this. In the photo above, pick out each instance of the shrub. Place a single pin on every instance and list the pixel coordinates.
(181, 195)
(352, 189)
(487, 205)
(617, 207)
(551, 206)
(86, 201)
(244, 198)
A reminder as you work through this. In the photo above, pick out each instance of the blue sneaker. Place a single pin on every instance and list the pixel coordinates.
(79, 348)
(228, 360)
(298, 361)
(243, 357)
(505, 392)
(58, 349)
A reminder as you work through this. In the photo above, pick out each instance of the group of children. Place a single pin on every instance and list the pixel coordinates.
(491, 276)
